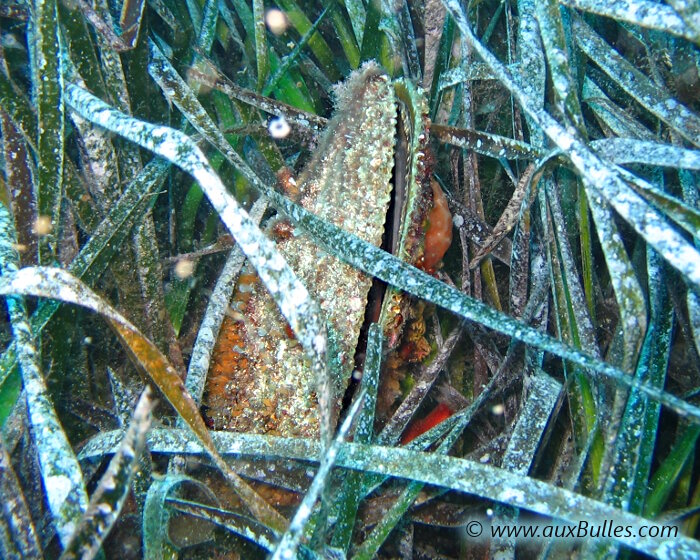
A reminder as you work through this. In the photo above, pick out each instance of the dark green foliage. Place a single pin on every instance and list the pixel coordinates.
(135, 137)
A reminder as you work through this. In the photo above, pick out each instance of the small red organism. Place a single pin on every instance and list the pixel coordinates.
(438, 234)
(289, 332)
(286, 180)
(450, 402)
(441, 412)
(283, 230)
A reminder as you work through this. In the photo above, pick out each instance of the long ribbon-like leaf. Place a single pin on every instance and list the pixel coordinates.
(60, 472)
(453, 473)
(107, 500)
(58, 284)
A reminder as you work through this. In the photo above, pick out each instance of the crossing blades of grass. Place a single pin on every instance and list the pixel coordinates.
(641, 13)
(60, 472)
(98, 251)
(108, 498)
(290, 295)
(156, 514)
(635, 83)
(440, 470)
(56, 283)
(19, 538)
(601, 180)
(288, 545)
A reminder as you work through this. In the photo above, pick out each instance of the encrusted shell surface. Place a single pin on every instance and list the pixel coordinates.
(260, 381)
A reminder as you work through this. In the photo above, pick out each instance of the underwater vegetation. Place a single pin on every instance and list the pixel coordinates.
(349, 279)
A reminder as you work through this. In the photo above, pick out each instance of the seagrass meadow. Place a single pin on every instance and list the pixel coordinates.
(349, 279)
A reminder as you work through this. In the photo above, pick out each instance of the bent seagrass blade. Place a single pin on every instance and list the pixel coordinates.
(259, 380)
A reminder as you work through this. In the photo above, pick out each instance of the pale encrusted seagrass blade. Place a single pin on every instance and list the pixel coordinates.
(260, 381)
